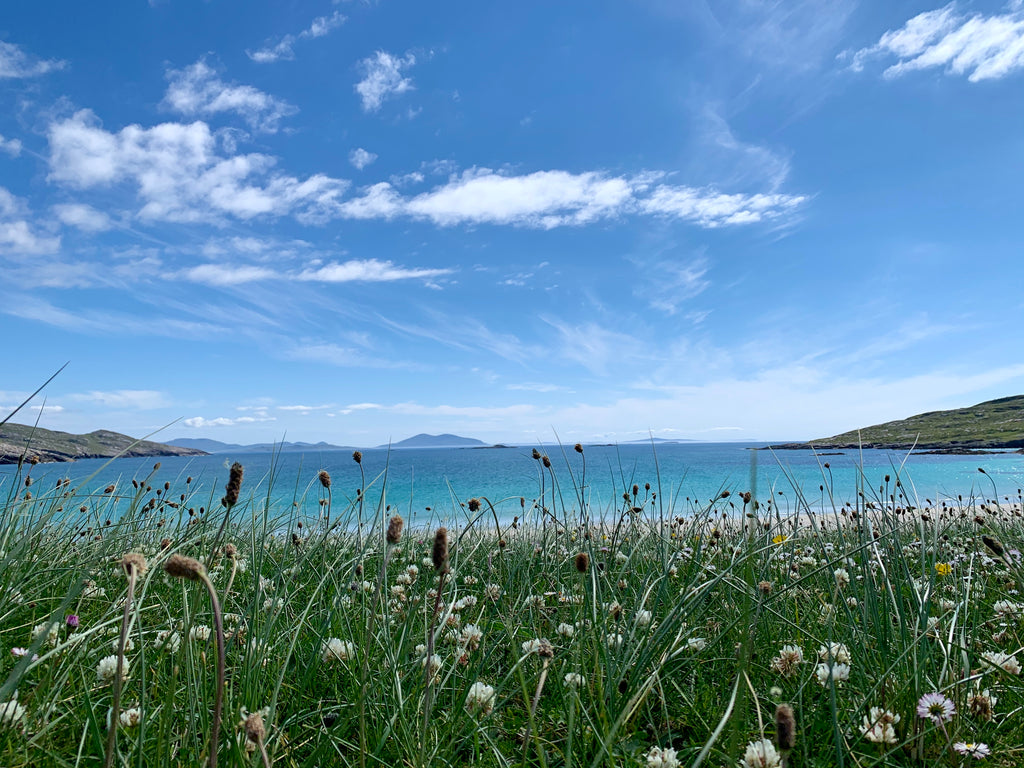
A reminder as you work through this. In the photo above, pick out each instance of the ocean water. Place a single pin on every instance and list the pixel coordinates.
(432, 485)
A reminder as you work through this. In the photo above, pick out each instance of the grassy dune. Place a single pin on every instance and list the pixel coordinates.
(627, 636)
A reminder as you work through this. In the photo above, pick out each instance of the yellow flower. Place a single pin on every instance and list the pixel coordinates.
(779, 539)
(943, 569)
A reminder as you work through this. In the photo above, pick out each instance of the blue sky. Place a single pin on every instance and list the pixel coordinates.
(358, 221)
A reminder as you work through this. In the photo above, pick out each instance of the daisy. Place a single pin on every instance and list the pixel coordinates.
(935, 707)
(977, 750)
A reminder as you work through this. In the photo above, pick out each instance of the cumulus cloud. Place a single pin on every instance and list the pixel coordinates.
(979, 46)
(383, 78)
(15, 63)
(283, 49)
(16, 234)
(197, 91)
(11, 146)
(180, 175)
(360, 158)
(83, 216)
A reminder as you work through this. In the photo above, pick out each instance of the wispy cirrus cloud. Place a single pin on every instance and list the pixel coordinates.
(201, 422)
(140, 399)
(283, 48)
(196, 91)
(979, 46)
(383, 78)
(16, 63)
(353, 270)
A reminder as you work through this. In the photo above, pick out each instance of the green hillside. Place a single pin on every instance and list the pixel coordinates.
(992, 424)
(48, 445)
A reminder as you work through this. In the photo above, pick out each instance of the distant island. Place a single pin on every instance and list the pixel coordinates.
(19, 441)
(436, 441)
(216, 446)
(994, 424)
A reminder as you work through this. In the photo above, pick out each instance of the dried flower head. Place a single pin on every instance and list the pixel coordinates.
(394, 532)
(473, 505)
(230, 551)
(582, 562)
(181, 567)
(785, 727)
(255, 731)
(325, 478)
(234, 485)
(994, 544)
(357, 457)
(439, 555)
(135, 563)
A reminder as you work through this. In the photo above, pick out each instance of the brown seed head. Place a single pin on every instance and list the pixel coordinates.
(230, 551)
(234, 486)
(765, 587)
(474, 505)
(181, 567)
(325, 478)
(134, 562)
(394, 532)
(785, 727)
(440, 552)
(994, 544)
(582, 562)
(357, 457)
(546, 462)
(255, 731)
(578, 448)
(536, 455)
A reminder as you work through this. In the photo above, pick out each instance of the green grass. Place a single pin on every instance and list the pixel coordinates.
(726, 586)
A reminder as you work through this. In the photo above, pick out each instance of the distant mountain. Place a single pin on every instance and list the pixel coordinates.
(215, 446)
(992, 424)
(17, 440)
(437, 441)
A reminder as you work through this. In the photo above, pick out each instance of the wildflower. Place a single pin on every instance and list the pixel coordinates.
(480, 699)
(432, 665)
(643, 618)
(469, 601)
(662, 758)
(338, 650)
(788, 660)
(981, 704)
(541, 646)
(167, 640)
(977, 750)
(573, 680)
(47, 629)
(19, 652)
(565, 630)
(761, 754)
(107, 669)
(200, 632)
(130, 718)
(12, 714)
(835, 651)
(842, 577)
(779, 539)
(943, 569)
(1007, 609)
(935, 707)
(614, 641)
(71, 620)
(493, 592)
(696, 644)
(470, 637)
(878, 726)
(1005, 661)
(835, 672)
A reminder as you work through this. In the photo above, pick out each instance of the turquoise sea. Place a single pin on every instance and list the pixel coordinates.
(429, 485)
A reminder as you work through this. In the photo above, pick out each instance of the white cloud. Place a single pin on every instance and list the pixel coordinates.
(11, 146)
(321, 26)
(549, 199)
(382, 79)
(16, 235)
(197, 91)
(198, 422)
(366, 270)
(180, 175)
(981, 47)
(82, 216)
(15, 63)
(227, 274)
(142, 399)
(360, 158)
(667, 284)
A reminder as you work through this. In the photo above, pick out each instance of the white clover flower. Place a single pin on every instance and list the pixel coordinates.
(761, 754)
(842, 577)
(480, 699)
(1005, 661)
(493, 592)
(621, 557)
(1007, 609)
(540, 646)
(614, 640)
(696, 644)
(789, 660)
(573, 680)
(200, 632)
(565, 630)
(129, 644)
(662, 758)
(272, 604)
(469, 601)
(837, 672)
(338, 650)
(12, 714)
(49, 630)
(470, 637)
(130, 718)
(836, 651)
(403, 579)
(167, 640)
(106, 670)
(643, 618)
(878, 726)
